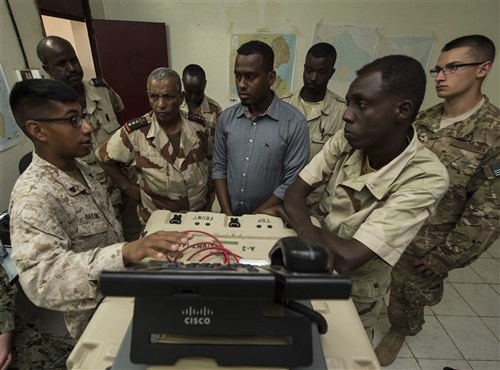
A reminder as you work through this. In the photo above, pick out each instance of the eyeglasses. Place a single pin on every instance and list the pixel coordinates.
(452, 68)
(76, 121)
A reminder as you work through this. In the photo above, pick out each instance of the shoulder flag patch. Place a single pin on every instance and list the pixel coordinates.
(137, 123)
(495, 167)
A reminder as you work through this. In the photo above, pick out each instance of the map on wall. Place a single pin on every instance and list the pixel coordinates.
(10, 133)
(355, 47)
(283, 45)
(418, 47)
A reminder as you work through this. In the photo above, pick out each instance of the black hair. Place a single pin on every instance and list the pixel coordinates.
(323, 50)
(482, 47)
(259, 47)
(402, 76)
(31, 97)
(194, 70)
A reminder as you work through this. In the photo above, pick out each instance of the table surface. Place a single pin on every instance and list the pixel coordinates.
(345, 346)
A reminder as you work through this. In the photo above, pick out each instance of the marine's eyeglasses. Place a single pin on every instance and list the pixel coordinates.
(76, 121)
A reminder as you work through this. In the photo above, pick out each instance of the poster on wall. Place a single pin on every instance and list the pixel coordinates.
(10, 133)
(355, 47)
(418, 47)
(284, 46)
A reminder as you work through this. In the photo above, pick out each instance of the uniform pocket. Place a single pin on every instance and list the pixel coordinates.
(92, 227)
(111, 126)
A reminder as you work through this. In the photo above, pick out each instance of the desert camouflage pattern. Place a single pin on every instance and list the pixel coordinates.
(467, 220)
(322, 126)
(210, 111)
(383, 209)
(63, 234)
(101, 103)
(168, 181)
(30, 349)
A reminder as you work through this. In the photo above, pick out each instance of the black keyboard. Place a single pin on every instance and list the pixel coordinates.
(166, 279)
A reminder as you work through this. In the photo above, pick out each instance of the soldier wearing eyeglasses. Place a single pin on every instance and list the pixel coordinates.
(169, 151)
(63, 228)
(464, 132)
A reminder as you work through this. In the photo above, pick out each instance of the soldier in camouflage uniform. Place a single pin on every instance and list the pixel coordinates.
(200, 108)
(169, 151)
(381, 183)
(63, 229)
(22, 347)
(464, 132)
(322, 108)
(103, 104)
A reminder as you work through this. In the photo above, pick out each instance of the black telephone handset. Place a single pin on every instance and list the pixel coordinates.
(299, 255)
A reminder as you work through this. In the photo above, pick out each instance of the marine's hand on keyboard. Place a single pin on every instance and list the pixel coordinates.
(159, 245)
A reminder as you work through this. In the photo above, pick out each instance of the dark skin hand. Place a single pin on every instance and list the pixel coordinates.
(348, 255)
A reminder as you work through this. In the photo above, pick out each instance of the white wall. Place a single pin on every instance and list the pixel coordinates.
(29, 25)
(199, 31)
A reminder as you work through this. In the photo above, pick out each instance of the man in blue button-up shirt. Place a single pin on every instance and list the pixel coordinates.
(260, 144)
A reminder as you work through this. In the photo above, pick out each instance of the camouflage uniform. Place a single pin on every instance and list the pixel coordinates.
(63, 234)
(102, 103)
(209, 110)
(30, 349)
(467, 220)
(383, 209)
(176, 183)
(322, 126)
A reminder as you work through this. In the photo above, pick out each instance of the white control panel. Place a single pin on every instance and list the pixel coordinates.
(249, 236)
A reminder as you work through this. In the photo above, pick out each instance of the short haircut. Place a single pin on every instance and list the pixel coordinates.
(402, 76)
(259, 47)
(163, 72)
(32, 97)
(47, 42)
(482, 47)
(194, 70)
(323, 50)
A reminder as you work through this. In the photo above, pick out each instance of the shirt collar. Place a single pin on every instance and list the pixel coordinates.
(378, 182)
(204, 106)
(272, 111)
(72, 186)
(431, 118)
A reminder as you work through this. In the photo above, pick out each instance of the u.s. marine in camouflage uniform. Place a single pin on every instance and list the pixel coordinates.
(464, 132)
(62, 224)
(169, 152)
(29, 349)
